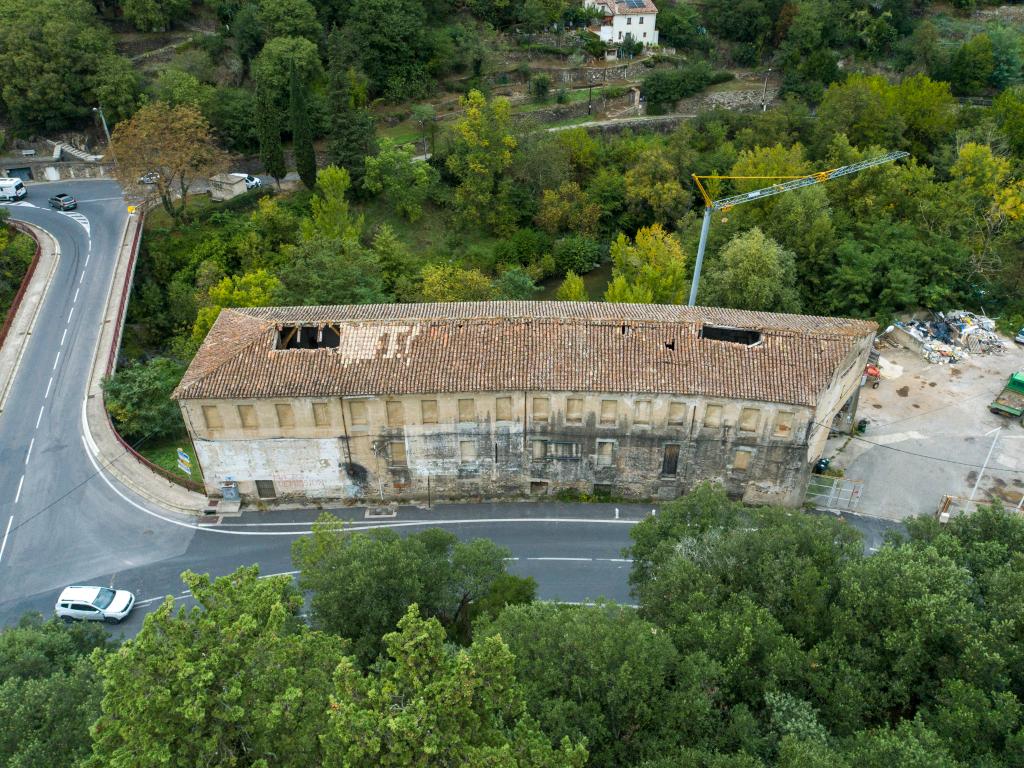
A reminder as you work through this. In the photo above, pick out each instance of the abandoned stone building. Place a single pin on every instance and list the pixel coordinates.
(500, 399)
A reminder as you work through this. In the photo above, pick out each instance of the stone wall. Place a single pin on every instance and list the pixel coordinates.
(505, 444)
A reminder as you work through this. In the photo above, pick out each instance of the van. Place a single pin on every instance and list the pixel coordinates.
(12, 189)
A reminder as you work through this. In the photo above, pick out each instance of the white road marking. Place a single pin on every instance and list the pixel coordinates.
(88, 254)
(565, 559)
(75, 300)
(39, 418)
(48, 385)
(70, 314)
(985, 465)
(7, 533)
(991, 431)
(18, 494)
(63, 336)
(55, 360)
(82, 277)
(29, 454)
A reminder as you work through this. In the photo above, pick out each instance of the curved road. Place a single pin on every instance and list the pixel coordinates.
(63, 521)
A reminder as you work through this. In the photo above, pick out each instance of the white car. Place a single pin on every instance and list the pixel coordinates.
(251, 182)
(94, 604)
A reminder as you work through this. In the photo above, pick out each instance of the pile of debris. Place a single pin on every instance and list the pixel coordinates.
(954, 336)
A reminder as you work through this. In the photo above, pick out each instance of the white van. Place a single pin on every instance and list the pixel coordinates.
(12, 189)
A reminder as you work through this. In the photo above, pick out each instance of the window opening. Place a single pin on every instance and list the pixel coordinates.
(735, 335)
(307, 337)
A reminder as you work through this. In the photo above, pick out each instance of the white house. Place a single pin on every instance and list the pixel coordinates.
(622, 17)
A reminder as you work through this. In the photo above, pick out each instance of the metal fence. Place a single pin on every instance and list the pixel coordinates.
(834, 493)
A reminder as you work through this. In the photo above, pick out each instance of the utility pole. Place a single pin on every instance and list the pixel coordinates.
(790, 183)
(764, 93)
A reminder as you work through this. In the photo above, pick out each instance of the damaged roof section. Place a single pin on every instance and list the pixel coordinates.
(385, 349)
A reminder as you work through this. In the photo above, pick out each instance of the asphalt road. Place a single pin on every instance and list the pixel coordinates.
(62, 521)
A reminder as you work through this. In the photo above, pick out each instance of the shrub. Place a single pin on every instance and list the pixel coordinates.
(540, 87)
(576, 254)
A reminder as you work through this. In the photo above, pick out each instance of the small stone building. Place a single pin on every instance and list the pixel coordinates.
(513, 399)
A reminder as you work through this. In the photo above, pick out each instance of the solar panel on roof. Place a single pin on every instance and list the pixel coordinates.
(636, 3)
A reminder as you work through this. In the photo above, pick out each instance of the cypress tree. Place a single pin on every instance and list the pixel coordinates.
(302, 132)
(268, 130)
(352, 135)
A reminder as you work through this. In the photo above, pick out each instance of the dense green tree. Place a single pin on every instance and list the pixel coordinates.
(268, 133)
(973, 66)
(752, 272)
(572, 288)
(568, 209)
(253, 289)
(653, 265)
(576, 254)
(363, 583)
(1008, 109)
(16, 253)
(154, 15)
(865, 108)
(515, 284)
(49, 691)
(603, 674)
(52, 59)
(352, 133)
(481, 152)
(288, 18)
(428, 706)
(237, 680)
(404, 181)
(272, 69)
(329, 270)
(385, 39)
(808, 63)
(139, 399)
(302, 131)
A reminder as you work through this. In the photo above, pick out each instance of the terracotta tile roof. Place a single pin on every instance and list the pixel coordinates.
(513, 345)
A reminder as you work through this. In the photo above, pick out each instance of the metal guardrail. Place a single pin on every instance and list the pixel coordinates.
(115, 347)
(20, 295)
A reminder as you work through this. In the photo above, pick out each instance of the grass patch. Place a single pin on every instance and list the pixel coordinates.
(432, 233)
(165, 454)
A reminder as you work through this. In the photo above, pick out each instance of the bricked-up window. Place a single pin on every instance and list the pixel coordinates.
(574, 410)
(642, 412)
(357, 410)
(562, 450)
(211, 416)
(467, 409)
(783, 424)
(467, 451)
(741, 461)
(396, 413)
(538, 449)
(750, 419)
(541, 408)
(428, 409)
(396, 453)
(609, 411)
(503, 409)
(321, 414)
(285, 415)
(605, 453)
(677, 413)
(247, 415)
(713, 416)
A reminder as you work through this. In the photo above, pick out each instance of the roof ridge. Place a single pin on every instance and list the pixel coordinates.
(197, 374)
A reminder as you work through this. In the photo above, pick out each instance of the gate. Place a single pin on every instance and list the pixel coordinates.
(834, 493)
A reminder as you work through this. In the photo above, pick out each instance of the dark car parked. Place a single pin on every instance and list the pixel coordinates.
(63, 202)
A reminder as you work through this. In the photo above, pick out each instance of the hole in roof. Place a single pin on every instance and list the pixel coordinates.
(670, 344)
(745, 336)
(307, 337)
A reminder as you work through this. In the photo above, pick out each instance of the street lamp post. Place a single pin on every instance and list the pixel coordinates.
(764, 93)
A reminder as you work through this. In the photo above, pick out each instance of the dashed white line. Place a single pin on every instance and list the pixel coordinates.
(39, 418)
(81, 277)
(565, 559)
(75, 300)
(7, 533)
(48, 385)
(63, 336)
(29, 454)
(18, 494)
(70, 314)
(87, 255)
(56, 360)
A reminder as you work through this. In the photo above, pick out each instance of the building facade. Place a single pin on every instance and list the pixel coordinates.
(626, 17)
(513, 399)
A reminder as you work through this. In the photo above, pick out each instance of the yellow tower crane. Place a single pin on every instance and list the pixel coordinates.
(788, 184)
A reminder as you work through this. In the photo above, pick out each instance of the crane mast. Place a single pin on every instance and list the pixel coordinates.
(786, 184)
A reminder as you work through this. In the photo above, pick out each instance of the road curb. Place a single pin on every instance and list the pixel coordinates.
(99, 434)
(13, 348)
